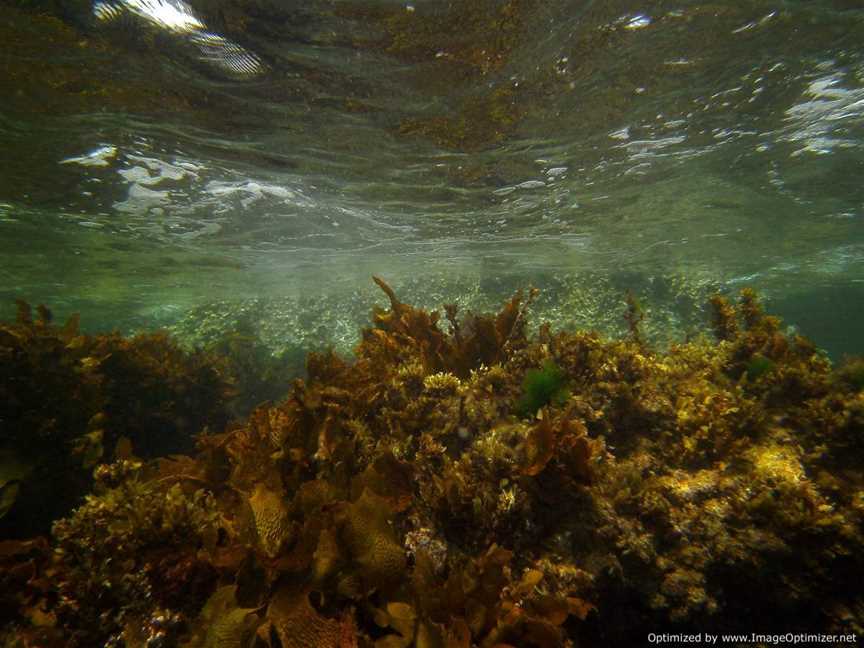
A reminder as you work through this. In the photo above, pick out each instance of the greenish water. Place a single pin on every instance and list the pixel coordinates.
(156, 175)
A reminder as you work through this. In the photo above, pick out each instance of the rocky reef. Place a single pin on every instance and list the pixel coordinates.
(414, 496)
(288, 326)
(69, 401)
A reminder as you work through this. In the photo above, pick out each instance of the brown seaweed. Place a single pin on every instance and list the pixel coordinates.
(399, 499)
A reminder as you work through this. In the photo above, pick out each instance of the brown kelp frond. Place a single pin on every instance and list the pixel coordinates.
(271, 519)
(724, 319)
(223, 623)
(404, 334)
(297, 623)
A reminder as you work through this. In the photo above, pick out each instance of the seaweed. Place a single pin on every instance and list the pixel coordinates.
(851, 373)
(399, 499)
(542, 387)
(634, 316)
(70, 398)
(256, 374)
(758, 366)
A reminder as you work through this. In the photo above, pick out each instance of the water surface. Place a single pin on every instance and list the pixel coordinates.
(162, 156)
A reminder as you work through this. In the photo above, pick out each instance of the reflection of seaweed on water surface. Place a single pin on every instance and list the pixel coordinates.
(398, 500)
(479, 122)
(44, 82)
(463, 53)
(477, 36)
(460, 44)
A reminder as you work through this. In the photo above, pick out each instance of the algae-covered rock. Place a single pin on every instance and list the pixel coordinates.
(68, 399)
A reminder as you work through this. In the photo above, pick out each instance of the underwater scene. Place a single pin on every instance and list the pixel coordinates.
(431, 323)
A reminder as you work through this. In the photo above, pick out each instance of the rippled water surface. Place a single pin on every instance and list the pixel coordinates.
(161, 156)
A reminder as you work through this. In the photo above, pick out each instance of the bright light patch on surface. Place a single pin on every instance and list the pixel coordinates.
(231, 56)
(173, 15)
(635, 22)
(753, 25)
(98, 157)
(830, 110)
(179, 18)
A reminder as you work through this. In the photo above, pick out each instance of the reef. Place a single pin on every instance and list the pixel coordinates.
(71, 401)
(413, 496)
(288, 326)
